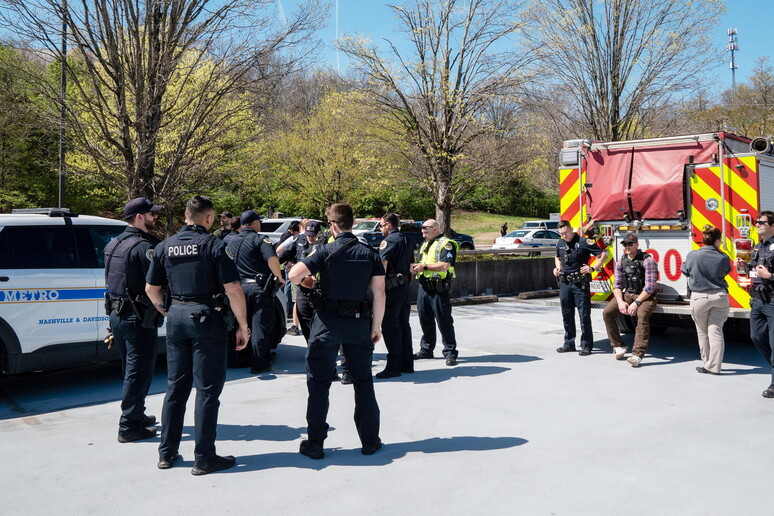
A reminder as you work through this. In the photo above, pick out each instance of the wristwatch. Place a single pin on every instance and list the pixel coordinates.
(425, 266)
(637, 302)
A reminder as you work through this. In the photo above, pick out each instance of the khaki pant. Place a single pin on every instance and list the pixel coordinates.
(641, 333)
(709, 312)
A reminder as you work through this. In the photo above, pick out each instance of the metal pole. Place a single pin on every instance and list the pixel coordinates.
(63, 106)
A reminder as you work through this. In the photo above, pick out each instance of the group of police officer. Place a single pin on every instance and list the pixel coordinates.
(206, 286)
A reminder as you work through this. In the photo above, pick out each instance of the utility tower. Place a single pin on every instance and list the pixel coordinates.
(732, 46)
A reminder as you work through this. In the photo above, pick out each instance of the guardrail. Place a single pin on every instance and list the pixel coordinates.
(531, 251)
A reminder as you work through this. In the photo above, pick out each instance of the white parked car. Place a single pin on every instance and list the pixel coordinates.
(527, 238)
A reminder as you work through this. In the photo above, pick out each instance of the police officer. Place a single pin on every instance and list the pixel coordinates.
(762, 290)
(396, 255)
(573, 272)
(347, 269)
(227, 223)
(195, 267)
(133, 319)
(259, 269)
(435, 271)
(293, 252)
(634, 294)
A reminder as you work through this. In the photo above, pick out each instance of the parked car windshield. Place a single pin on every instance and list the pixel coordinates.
(517, 234)
(368, 224)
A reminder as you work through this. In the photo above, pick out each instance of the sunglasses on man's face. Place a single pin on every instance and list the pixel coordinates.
(761, 221)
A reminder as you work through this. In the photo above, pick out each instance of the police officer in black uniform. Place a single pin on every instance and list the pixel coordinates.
(302, 247)
(347, 269)
(259, 269)
(762, 291)
(396, 255)
(133, 319)
(196, 269)
(573, 273)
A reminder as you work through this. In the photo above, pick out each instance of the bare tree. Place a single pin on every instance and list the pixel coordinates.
(155, 83)
(624, 60)
(459, 58)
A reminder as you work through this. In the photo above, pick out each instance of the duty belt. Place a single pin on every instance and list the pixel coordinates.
(573, 277)
(194, 300)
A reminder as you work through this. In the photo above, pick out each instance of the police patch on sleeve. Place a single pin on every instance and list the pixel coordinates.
(149, 254)
(448, 246)
(229, 253)
(266, 240)
(591, 241)
(383, 244)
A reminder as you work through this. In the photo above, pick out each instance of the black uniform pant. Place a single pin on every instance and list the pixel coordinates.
(397, 331)
(138, 361)
(328, 332)
(196, 356)
(572, 296)
(762, 330)
(305, 312)
(260, 315)
(435, 307)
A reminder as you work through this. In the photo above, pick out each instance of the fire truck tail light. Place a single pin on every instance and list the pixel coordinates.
(743, 244)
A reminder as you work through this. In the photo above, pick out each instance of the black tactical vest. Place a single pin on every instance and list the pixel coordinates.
(633, 280)
(118, 275)
(189, 265)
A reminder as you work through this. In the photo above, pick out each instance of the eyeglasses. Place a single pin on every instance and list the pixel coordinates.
(761, 221)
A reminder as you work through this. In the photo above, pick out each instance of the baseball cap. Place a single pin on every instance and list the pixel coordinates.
(248, 217)
(227, 214)
(312, 228)
(139, 205)
(629, 238)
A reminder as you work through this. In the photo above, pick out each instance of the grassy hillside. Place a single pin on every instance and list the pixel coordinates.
(485, 227)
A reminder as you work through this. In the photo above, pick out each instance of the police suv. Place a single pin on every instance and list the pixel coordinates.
(52, 288)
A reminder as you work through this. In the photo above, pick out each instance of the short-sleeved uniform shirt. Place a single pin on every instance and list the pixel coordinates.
(396, 251)
(348, 270)
(192, 262)
(763, 253)
(575, 254)
(251, 252)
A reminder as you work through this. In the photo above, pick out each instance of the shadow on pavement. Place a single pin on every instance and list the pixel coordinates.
(388, 454)
(448, 373)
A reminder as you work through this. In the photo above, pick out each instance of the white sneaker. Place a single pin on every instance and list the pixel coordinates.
(634, 360)
(619, 353)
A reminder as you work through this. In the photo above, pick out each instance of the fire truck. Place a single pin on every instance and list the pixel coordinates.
(665, 190)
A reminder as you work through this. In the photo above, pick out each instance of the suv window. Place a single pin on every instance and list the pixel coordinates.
(5, 253)
(270, 227)
(44, 247)
(98, 237)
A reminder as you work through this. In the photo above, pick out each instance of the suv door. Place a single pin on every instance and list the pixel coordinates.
(92, 241)
(48, 296)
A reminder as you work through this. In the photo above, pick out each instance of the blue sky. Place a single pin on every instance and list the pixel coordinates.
(752, 19)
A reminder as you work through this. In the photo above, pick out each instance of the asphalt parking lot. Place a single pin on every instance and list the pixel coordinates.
(514, 428)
